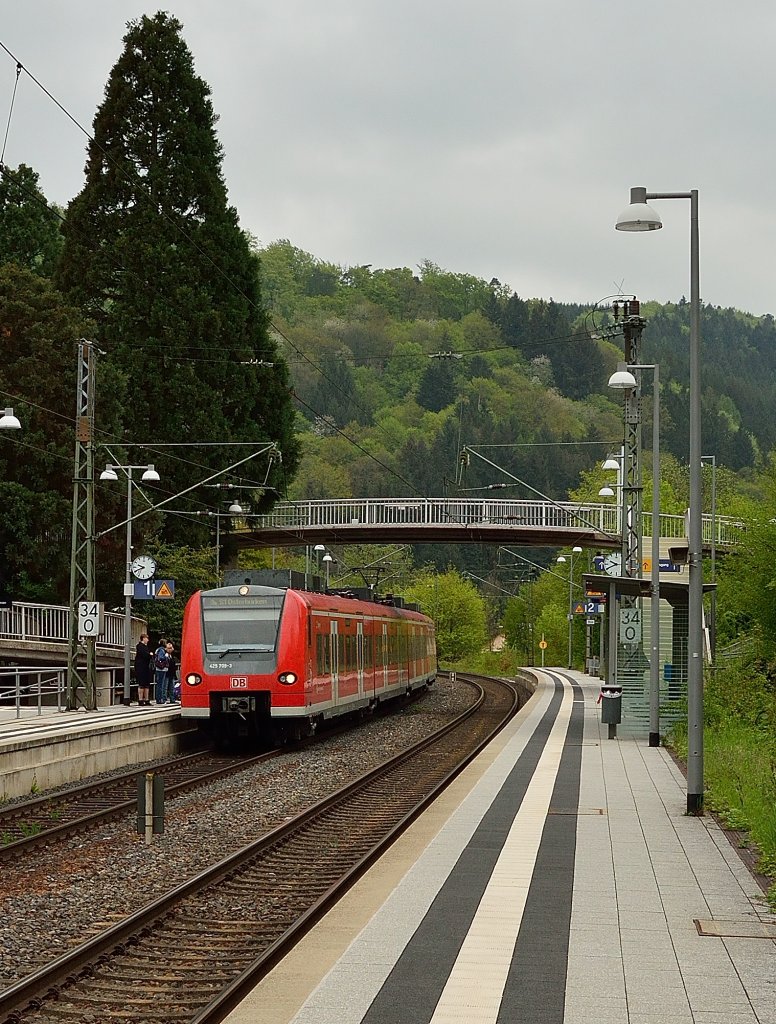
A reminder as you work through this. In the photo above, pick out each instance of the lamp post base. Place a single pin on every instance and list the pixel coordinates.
(695, 804)
(654, 739)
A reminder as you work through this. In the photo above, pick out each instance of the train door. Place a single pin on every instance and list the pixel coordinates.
(360, 658)
(385, 655)
(334, 660)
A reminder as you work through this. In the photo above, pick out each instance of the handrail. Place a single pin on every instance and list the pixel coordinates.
(440, 512)
(44, 687)
(28, 621)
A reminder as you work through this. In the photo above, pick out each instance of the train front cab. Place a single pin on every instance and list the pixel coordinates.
(240, 659)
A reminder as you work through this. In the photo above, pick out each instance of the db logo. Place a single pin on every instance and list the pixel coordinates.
(239, 682)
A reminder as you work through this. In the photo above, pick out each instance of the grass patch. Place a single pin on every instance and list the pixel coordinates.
(739, 758)
(489, 663)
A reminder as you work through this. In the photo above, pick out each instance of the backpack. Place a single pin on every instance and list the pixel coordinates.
(160, 660)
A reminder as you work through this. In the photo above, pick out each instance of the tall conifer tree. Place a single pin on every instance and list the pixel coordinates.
(155, 255)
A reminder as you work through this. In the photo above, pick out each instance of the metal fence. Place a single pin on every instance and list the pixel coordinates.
(51, 623)
(42, 689)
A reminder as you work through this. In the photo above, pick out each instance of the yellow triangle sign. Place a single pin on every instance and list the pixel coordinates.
(163, 590)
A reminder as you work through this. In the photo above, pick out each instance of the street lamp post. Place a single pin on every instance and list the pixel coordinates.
(327, 560)
(234, 510)
(149, 475)
(639, 216)
(623, 379)
(576, 550)
(318, 549)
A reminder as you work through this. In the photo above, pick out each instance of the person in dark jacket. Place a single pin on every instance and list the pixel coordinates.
(143, 657)
(172, 674)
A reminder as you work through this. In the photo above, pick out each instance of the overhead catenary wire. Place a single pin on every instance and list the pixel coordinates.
(10, 111)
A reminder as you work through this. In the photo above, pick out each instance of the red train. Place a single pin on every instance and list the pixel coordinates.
(264, 662)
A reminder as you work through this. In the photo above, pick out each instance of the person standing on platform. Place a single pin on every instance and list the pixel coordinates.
(143, 657)
(172, 674)
(161, 664)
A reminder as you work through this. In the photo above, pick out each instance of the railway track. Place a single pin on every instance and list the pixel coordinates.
(190, 956)
(55, 817)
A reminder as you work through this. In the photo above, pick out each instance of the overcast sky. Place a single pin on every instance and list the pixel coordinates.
(497, 138)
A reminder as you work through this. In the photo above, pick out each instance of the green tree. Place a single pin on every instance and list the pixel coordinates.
(29, 227)
(437, 388)
(192, 569)
(456, 607)
(155, 255)
(39, 332)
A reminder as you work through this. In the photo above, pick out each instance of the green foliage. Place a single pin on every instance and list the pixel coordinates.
(490, 663)
(747, 577)
(456, 607)
(29, 228)
(192, 569)
(155, 254)
(39, 335)
(740, 754)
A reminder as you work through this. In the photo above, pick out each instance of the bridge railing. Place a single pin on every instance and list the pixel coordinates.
(599, 518)
(31, 622)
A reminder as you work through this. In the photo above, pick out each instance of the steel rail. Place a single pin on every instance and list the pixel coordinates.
(24, 998)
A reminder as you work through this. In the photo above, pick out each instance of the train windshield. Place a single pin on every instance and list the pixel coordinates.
(232, 625)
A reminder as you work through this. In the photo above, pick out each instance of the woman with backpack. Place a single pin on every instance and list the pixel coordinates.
(161, 664)
(172, 675)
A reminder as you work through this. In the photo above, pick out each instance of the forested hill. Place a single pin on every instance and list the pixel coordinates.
(396, 370)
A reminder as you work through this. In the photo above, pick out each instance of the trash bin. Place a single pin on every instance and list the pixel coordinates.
(611, 704)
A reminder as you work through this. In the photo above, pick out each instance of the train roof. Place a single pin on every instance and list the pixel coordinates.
(341, 601)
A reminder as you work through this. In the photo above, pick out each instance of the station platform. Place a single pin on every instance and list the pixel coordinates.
(558, 880)
(41, 748)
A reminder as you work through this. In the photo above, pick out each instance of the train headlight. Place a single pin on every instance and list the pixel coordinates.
(287, 678)
(193, 679)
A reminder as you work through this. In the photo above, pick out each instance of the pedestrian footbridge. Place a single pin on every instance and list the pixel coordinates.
(412, 520)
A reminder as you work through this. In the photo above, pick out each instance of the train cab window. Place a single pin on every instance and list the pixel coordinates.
(241, 624)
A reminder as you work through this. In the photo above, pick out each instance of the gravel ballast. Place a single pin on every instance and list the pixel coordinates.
(75, 889)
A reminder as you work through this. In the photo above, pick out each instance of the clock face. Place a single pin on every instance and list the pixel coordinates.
(143, 567)
(613, 563)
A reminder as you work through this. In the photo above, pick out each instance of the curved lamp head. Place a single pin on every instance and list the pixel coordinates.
(623, 380)
(638, 217)
(8, 421)
(150, 475)
(235, 508)
(576, 550)
(327, 558)
(606, 492)
(560, 558)
(611, 463)
(109, 473)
